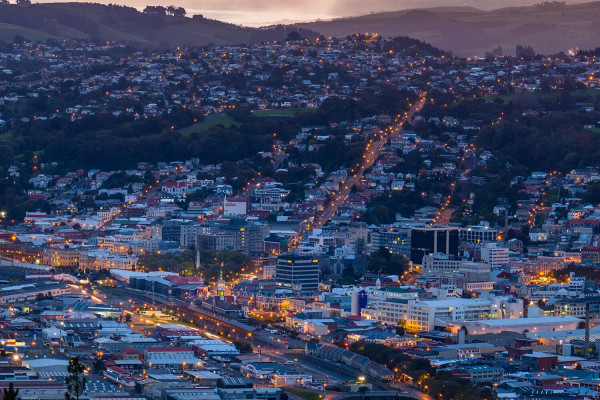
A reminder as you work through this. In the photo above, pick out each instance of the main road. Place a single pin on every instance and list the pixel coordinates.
(372, 152)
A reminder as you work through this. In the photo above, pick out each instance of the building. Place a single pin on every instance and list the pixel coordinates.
(21, 252)
(397, 242)
(62, 256)
(297, 270)
(478, 234)
(433, 239)
(30, 291)
(424, 316)
(216, 241)
(481, 373)
(101, 259)
(171, 285)
(171, 357)
(494, 255)
(272, 194)
(169, 231)
(189, 233)
(577, 307)
(235, 207)
(249, 237)
(440, 263)
(475, 271)
(538, 235)
(519, 325)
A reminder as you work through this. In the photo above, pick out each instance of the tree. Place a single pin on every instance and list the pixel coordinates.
(99, 365)
(243, 347)
(155, 10)
(401, 328)
(11, 393)
(293, 36)
(76, 379)
(382, 261)
(525, 52)
(179, 12)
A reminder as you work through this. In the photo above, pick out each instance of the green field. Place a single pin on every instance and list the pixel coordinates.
(304, 394)
(210, 122)
(591, 93)
(9, 31)
(289, 112)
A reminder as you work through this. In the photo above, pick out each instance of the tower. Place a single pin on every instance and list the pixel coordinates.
(221, 284)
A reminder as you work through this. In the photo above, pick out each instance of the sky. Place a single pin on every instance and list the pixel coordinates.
(266, 12)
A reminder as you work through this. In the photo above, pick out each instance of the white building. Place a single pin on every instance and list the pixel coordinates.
(424, 316)
(494, 255)
(520, 325)
(440, 263)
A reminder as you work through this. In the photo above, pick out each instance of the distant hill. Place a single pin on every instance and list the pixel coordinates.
(124, 24)
(468, 31)
(300, 9)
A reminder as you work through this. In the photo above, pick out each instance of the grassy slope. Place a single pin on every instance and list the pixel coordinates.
(8, 32)
(127, 26)
(468, 31)
(211, 121)
(282, 112)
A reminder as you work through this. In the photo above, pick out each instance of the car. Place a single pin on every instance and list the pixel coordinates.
(289, 362)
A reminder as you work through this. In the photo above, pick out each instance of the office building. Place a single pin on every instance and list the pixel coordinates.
(297, 272)
(478, 234)
(433, 239)
(440, 263)
(494, 255)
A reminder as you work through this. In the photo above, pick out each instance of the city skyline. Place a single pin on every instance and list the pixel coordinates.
(394, 206)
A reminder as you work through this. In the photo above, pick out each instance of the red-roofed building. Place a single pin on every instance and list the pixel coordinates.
(131, 354)
(175, 188)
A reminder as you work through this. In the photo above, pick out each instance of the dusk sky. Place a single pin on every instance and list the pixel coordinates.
(260, 12)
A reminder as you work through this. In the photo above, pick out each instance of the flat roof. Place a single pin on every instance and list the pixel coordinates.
(527, 321)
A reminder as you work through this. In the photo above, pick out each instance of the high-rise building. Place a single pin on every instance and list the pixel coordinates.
(294, 270)
(250, 237)
(494, 255)
(433, 239)
(478, 234)
(397, 242)
(216, 242)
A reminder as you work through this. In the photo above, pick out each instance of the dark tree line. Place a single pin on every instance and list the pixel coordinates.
(169, 10)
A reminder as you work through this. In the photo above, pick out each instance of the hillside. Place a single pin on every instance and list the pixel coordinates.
(302, 9)
(471, 32)
(125, 24)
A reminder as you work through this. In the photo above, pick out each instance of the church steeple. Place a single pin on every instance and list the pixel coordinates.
(221, 284)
